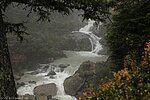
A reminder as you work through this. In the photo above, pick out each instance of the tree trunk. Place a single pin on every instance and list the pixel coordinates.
(7, 83)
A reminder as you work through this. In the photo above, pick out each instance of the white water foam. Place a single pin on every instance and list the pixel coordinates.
(88, 30)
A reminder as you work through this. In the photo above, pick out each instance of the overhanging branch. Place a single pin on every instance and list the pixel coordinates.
(18, 28)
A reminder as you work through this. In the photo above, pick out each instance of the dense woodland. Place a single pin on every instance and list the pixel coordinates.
(128, 37)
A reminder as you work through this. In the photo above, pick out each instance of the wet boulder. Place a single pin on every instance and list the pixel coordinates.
(44, 69)
(63, 65)
(32, 82)
(19, 84)
(26, 97)
(17, 77)
(41, 97)
(51, 76)
(46, 89)
(86, 69)
(51, 73)
(73, 84)
(34, 72)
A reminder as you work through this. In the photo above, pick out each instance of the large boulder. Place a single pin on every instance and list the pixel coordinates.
(76, 83)
(73, 84)
(87, 73)
(86, 69)
(46, 89)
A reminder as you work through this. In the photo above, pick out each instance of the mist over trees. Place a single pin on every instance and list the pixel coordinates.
(45, 40)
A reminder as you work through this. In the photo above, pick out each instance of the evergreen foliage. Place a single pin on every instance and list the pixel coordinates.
(130, 29)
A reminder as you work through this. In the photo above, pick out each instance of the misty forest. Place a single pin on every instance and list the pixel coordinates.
(74, 49)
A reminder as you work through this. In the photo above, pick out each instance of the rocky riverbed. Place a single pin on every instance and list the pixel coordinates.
(57, 72)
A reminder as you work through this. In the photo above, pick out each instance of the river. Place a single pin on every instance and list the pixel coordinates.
(74, 59)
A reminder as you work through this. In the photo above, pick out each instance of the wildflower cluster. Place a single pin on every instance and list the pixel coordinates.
(105, 85)
(146, 55)
(122, 74)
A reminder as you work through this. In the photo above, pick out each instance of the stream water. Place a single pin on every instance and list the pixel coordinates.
(74, 59)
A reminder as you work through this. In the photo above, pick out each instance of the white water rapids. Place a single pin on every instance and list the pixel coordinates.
(88, 30)
(74, 59)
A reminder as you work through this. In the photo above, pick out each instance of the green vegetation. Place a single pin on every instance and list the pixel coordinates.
(127, 34)
(128, 38)
(130, 29)
(130, 83)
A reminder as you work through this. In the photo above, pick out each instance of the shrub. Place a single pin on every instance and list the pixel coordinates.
(130, 83)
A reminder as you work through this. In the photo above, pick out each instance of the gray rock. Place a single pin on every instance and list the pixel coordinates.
(73, 84)
(26, 97)
(46, 89)
(51, 76)
(86, 69)
(61, 69)
(51, 73)
(34, 73)
(76, 83)
(32, 82)
(21, 74)
(41, 97)
(58, 69)
(44, 69)
(19, 84)
(44, 97)
(63, 65)
(17, 77)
